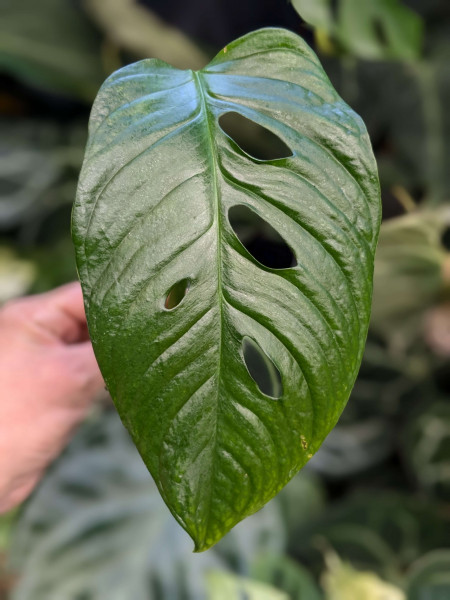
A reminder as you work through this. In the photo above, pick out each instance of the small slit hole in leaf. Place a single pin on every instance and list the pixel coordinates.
(176, 294)
(252, 138)
(260, 239)
(261, 369)
(445, 238)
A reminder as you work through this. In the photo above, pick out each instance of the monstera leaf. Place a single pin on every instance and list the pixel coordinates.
(228, 368)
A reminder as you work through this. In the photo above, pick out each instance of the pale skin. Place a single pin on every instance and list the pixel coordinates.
(49, 380)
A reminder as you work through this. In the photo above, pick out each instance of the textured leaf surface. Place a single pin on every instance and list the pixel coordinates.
(151, 212)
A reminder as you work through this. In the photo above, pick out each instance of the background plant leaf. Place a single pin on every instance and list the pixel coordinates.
(368, 29)
(97, 526)
(318, 13)
(380, 29)
(406, 287)
(426, 445)
(54, 48)
(225, 586)
(140, 31)
(342, 582)
(429, 577)
(286, 575)
(378, 531)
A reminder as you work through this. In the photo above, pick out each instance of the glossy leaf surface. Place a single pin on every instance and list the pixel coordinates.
(159, 179)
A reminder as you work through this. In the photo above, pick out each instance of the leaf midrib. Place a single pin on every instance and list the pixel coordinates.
(212, 159)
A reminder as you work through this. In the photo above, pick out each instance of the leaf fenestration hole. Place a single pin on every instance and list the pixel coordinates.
(260, 239)
(254, 139)
(261, 369)
(176, 294)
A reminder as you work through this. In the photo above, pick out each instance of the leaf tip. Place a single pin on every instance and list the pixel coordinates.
(201, 545)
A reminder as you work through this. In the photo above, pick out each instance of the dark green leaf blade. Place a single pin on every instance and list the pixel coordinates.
(158, 180)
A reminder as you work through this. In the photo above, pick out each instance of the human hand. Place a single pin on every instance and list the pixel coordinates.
(49, 379)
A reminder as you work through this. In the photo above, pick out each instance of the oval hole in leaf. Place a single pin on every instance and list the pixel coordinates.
(176, 294)
(259, 238)
(252, 138)
(261, 369)
(445, 238)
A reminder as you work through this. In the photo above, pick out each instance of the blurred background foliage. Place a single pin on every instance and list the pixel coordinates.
(369, 517)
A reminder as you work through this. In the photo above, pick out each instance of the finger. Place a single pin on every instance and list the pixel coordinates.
(67, 298)
(85, 370)
(67, 303)
(57, 315)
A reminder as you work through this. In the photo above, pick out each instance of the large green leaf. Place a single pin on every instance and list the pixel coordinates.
(151, 222)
